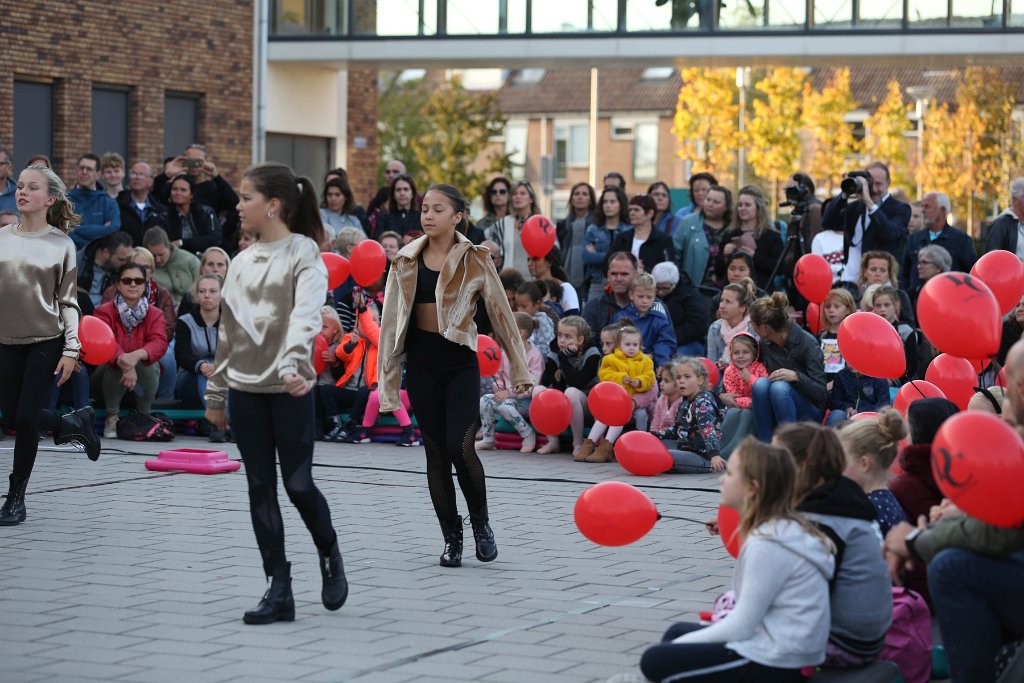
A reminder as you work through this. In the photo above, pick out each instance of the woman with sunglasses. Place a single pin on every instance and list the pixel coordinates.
(141, 336)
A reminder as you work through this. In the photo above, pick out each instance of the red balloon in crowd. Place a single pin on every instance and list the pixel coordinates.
(550, 411)
(978, 463)
(813, 318)
(813, 277)
(337, 269)
(872, 346)
(866, 415)
(712, 369)
(960, 316)
(97, 339)
(319, 346)
(954, 376)
(978, 365)
(488, 353)
(367, 262)
(610, 403)
(728, 528)
(1003, 272)
(613, 513)
(915, 390)
(643, 454)
(538, 236)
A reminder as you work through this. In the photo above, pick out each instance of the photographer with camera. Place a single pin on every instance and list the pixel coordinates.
(209, 188)
(873, 221)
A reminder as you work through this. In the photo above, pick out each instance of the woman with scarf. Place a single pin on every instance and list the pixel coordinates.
(141, 336)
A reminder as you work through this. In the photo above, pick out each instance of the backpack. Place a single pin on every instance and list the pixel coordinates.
(909, 640)
(141, 426)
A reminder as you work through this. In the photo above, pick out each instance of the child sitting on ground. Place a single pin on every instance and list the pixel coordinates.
(663, 422)
(631, 368)
(659, 334)
(738, 381)
(698, 424)
(609, 338)
(836, 308)
(512, 406)
(854, 393)
(870, 447)
(530, 300)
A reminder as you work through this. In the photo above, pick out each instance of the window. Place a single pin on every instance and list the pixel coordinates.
(622, 130)
(645, 151)
(515, 147)
(657, 73)
(110, 120)
(33, 119)
(308, 156)
(181, 117)
(528, 76)
(572, 147)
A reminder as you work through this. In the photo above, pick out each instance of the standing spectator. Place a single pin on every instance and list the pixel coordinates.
(7, 184)
(190, 225)
(614, 179)
(176, 269)
(339, 210)
(506, 233)
(752, 232)
(140, 209)
(810, 224)
(392, 170)
(937, 232)
(600, 308)
(687, 308)
(1004, 233)
(496, 200)
(665, 221)
(698, 237)
(571, 229)
(700, 183)
(401, 214)
(612, 213)
(112, 170)
(208, 187)
(649, 246)
(916, 218)
(99, 212)
(932, 260)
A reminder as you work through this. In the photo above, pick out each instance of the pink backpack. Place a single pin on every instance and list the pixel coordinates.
(909, 640)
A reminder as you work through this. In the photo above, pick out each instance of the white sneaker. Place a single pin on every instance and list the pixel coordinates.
(529, 444)
(484, 445)
(110, 427)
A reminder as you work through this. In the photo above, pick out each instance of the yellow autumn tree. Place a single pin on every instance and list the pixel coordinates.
(773, 127)
(706, 120)
(885, 136)
(832, 147)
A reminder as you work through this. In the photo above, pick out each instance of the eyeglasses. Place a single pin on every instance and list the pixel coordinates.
(924, 263)
(136, 174)
(499, 190)
(133, 281)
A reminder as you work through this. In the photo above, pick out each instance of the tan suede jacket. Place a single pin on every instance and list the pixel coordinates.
(467, 275)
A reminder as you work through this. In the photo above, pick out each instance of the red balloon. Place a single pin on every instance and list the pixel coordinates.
(538, 236)
(728, 528)
(550, 412)
(954, 376)
(813, 318)
(872, 346)
(367, 262)
(488, 353)
(978, 462)
(97, 339)
(978, 365)
(1003, 272)
(866, 415)
(319, 346)
(915, 390)
(337, 269)
(712, 371)
(614, 513)
(642, 453)
(610, 403)
(960, 316)
(813, 277)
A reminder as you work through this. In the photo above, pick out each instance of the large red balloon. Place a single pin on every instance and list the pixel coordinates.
(978, 462)
(642, 453)
(1003, 272)
(97, 339)
(610, 403)
(319, 346)
(728, 528)
(867, 415)
(538, 236)
(813, 277)
(550, 412)
(915, 390)
(337, 269)
(954, 376)
(488, 353)
(614, 513)
(960, 316)
(813, 318)
(712, 369)
(367, 262)
(872, 346)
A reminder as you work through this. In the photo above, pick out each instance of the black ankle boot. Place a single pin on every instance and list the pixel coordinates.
(338, 430)
(13, 510)
(452, 555)
(486, 548)
(277, 603)
(335, 590)
(78, 427)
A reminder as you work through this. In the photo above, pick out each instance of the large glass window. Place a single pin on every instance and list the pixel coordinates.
(181, 122)
(515, 147)
(761, 13)
(110, 120)
(33, 120)
(645, 150)
(567, 16)
(975, 14)
(572, 147)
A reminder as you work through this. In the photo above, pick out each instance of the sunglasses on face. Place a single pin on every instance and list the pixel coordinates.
(499, 190)
(133, 281)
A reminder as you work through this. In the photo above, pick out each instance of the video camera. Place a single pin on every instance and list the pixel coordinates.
(849, 184)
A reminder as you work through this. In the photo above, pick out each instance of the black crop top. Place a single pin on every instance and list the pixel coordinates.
(426, 284)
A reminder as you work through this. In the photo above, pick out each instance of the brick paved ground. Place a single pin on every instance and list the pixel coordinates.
(121, 574)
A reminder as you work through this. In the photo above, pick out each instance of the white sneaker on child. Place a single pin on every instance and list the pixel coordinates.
(529, 444)
(484, 445)
(550, 447)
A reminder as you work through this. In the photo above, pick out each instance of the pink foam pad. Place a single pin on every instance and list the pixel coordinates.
(193, 460)
(514, 441)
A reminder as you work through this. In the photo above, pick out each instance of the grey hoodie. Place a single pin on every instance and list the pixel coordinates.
(781, 617)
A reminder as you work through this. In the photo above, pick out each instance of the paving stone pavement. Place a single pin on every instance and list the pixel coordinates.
(122, 574)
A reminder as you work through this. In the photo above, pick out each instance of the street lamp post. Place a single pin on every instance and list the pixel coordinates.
(922, 94)
(742, 76)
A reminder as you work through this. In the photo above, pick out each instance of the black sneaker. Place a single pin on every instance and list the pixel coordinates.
(359, 435)
(79, 427)
(218, 436)
(408, 438)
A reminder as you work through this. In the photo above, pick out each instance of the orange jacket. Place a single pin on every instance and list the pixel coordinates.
(365, 352)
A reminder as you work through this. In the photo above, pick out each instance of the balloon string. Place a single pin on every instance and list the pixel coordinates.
(683, 519)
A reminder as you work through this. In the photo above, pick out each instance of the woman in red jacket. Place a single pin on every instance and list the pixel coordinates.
(141, 336)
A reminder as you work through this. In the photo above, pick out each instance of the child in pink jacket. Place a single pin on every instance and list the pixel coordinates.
(739, 378)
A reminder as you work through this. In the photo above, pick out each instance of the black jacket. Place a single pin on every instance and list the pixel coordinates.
(206, 229)
(887, 230)
(657, 249)
(133, 224)
(85, 275)
(956, 242)
(689, 311)
(802, 354)
(766, 255)
(401, 222)
(1002, 234)
(562, 370)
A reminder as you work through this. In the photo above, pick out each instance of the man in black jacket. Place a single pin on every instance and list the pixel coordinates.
(936, 209)
(874, 221)
(140, 209)
(1004, 233)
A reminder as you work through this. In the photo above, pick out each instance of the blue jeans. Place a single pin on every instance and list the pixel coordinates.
(190, 389)
(779, 402)
(694, 348)
(977, 602)
(168, 373)
(835, 417)
(75, 390)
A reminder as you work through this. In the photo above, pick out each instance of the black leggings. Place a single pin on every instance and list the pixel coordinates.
(443, 381)
(264, 424)
(26, 379)
(706, 662)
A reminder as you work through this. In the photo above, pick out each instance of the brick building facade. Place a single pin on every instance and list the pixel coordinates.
(150, 56)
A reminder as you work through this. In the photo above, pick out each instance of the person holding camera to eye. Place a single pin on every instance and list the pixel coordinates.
(209, 188)
(871, 219)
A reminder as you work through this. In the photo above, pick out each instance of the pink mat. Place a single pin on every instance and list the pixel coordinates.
(194, 461)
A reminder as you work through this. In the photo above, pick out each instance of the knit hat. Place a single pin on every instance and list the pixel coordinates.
(926, 415)
(666, 272)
